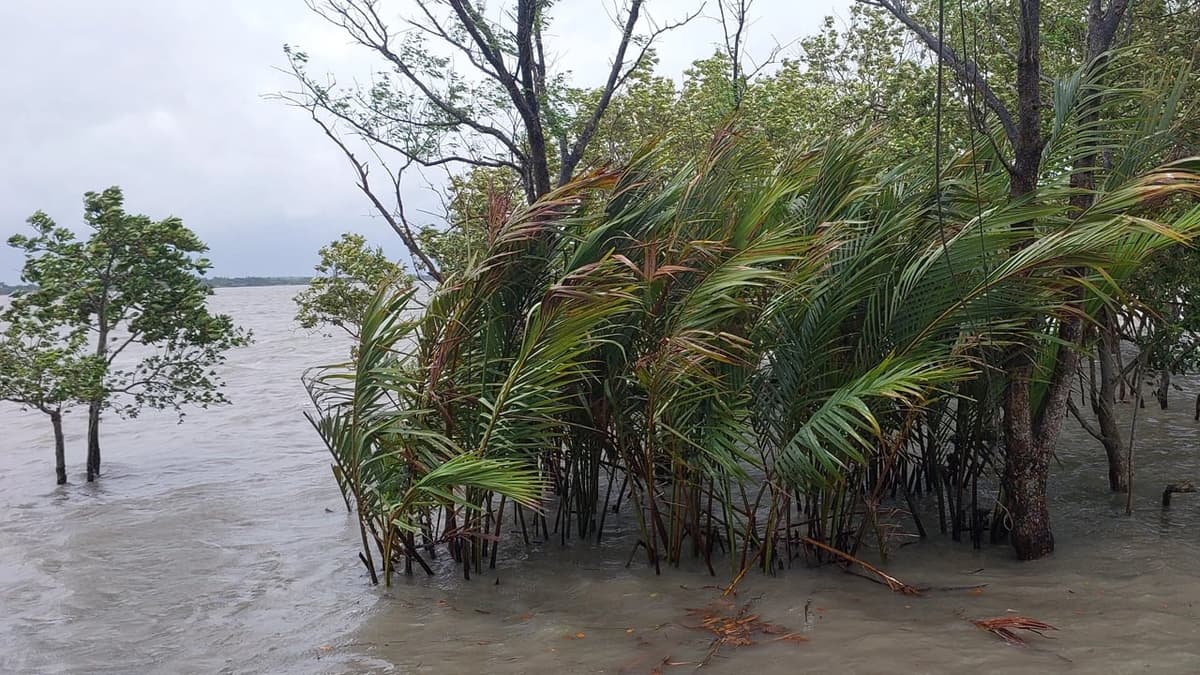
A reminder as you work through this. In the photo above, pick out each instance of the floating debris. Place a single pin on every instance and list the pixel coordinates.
(734, 625)
(1005, 625)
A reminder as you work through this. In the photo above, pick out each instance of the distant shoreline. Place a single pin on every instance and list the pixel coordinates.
(213, 282)
(240, 282)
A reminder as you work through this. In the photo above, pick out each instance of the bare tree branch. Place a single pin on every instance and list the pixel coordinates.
(398, 223)
(369, 31)
(422, 110)
(965, 69)
(733, 41)
(617, 75)
(315, 96)
(1087, 426)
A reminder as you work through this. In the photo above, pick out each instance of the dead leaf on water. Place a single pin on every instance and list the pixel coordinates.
(1003, 626)
(734, 626)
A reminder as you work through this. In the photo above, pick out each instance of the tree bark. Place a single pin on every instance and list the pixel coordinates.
(1164, 387)
(60, 453)
(1030, 435)
(93, 451)
(1102, 25)
(1026, 467)
(1104, 405)
(1027, 456)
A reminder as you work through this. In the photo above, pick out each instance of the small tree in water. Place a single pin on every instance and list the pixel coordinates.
(348, 277)
(134, 284)
(42, 369)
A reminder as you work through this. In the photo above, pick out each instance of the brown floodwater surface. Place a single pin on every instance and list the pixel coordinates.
(223, 545)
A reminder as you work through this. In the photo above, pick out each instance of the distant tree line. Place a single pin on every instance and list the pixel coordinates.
(238, 282)
(5, 289)
(213, 282)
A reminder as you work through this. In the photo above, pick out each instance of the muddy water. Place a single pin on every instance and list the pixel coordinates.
(222, 545)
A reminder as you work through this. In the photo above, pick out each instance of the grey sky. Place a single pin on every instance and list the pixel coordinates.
(164, 98)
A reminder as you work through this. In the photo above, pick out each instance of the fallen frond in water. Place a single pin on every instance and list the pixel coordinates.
(735, 626)
(887, 579)
(1005, 625)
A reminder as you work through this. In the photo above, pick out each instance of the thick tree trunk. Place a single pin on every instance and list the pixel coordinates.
(1027, 457)
(1032, 435)
(529, 103)
(1026, 467)
(1104, 406)
(60, 451)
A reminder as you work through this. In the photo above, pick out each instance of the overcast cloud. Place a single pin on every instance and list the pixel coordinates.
(164, 98)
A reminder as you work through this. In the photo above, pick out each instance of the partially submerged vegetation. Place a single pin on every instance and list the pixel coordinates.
(131, 290)
(758, 342)
(348, 275)
(746, 351)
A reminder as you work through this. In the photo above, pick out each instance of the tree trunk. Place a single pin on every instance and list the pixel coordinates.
(60, 452)
(1027, 457)
(1104, 405)
(1032, 435)
(1124, 381)
(1164, 387)
(1026, 466)
(93, 451)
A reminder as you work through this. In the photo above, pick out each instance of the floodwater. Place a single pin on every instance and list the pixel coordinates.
(223, 545)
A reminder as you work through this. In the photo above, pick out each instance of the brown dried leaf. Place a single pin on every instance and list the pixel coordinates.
(1003, 626)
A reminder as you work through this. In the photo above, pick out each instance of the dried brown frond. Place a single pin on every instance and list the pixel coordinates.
(1005, 625)
(733, 625)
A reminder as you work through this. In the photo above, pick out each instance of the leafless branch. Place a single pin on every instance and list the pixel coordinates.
(396, 220)
(617, 75)
(965, 69)
(1087, 426)
(429, 120)
(316, 96)
(360, 20)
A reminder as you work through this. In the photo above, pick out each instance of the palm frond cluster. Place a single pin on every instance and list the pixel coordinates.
(748, 353)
